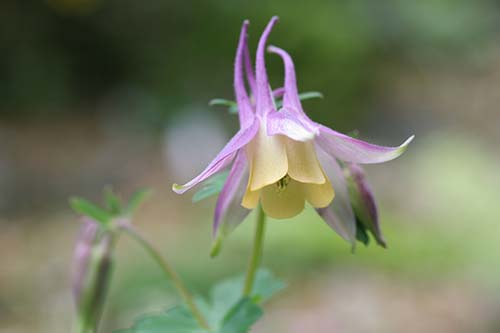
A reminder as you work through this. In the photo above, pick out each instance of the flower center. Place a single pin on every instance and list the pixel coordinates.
(282, 183)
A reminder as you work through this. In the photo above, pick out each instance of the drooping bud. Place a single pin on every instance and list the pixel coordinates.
(363, 203)
(91, 274)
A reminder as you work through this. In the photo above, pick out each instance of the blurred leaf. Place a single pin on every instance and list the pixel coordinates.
(221, 102)
(241, 317)
(87, 208)
(227, 311)
(266, 285)
(112, 201)
(233, 106)
(310, 95)
(230, 310)
(175, 320)
(303, 96)
(228, 292)
(211, 187)
(136, 200)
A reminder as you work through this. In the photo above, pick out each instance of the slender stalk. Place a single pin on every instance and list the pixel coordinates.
(170, 272)
(256, 257)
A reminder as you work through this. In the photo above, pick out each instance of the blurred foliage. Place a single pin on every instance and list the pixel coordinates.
(149, 59)
(226, 310)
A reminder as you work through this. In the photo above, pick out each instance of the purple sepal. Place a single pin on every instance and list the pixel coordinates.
(263, 95)
(245, 112)
(363, 201)
(91, 273)
(229, 212)
(223, 159)
(339, 214)
(354, 150)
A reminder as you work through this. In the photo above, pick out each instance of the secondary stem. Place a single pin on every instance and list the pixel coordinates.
(170, 272)
(256, 257)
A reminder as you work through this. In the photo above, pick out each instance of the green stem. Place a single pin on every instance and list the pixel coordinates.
(256, 257)
(170, 272)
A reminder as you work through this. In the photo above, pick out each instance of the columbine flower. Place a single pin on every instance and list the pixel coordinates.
(281, 158)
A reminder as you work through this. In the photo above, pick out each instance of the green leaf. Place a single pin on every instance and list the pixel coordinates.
(232, 106)
(310, 95)
(175, 320)
(241, 317)
(221, 102)
(228, 292)
(112, 201)
(227, 311)
(211, 187)
(303, 96)
(266, 285)
(87, 208)
(136, 200)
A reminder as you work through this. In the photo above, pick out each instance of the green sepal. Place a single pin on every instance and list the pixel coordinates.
(362, 233)
(364, 221)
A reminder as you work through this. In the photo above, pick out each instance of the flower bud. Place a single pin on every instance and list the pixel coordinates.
(363, 201)
(91, 274)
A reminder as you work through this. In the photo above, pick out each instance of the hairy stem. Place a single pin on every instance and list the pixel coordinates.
(256, 256)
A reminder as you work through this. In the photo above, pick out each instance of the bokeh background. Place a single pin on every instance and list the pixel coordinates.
(107, 92)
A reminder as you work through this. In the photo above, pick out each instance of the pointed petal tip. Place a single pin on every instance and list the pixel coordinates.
(244, 26)
(179, 189)
(404, 145)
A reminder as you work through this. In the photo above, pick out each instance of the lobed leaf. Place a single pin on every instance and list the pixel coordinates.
(227, 311)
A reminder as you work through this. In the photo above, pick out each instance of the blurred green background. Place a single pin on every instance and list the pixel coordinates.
(96, 92)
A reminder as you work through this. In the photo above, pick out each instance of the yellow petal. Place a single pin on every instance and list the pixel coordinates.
(303, 165)
(283, 203)
(319, 195)
(251, 199)
(268, 159)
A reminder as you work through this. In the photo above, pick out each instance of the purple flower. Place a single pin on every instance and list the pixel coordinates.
(91, 273)
(281, 158)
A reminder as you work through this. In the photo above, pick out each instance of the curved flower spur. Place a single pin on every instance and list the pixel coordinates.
(281, 158)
